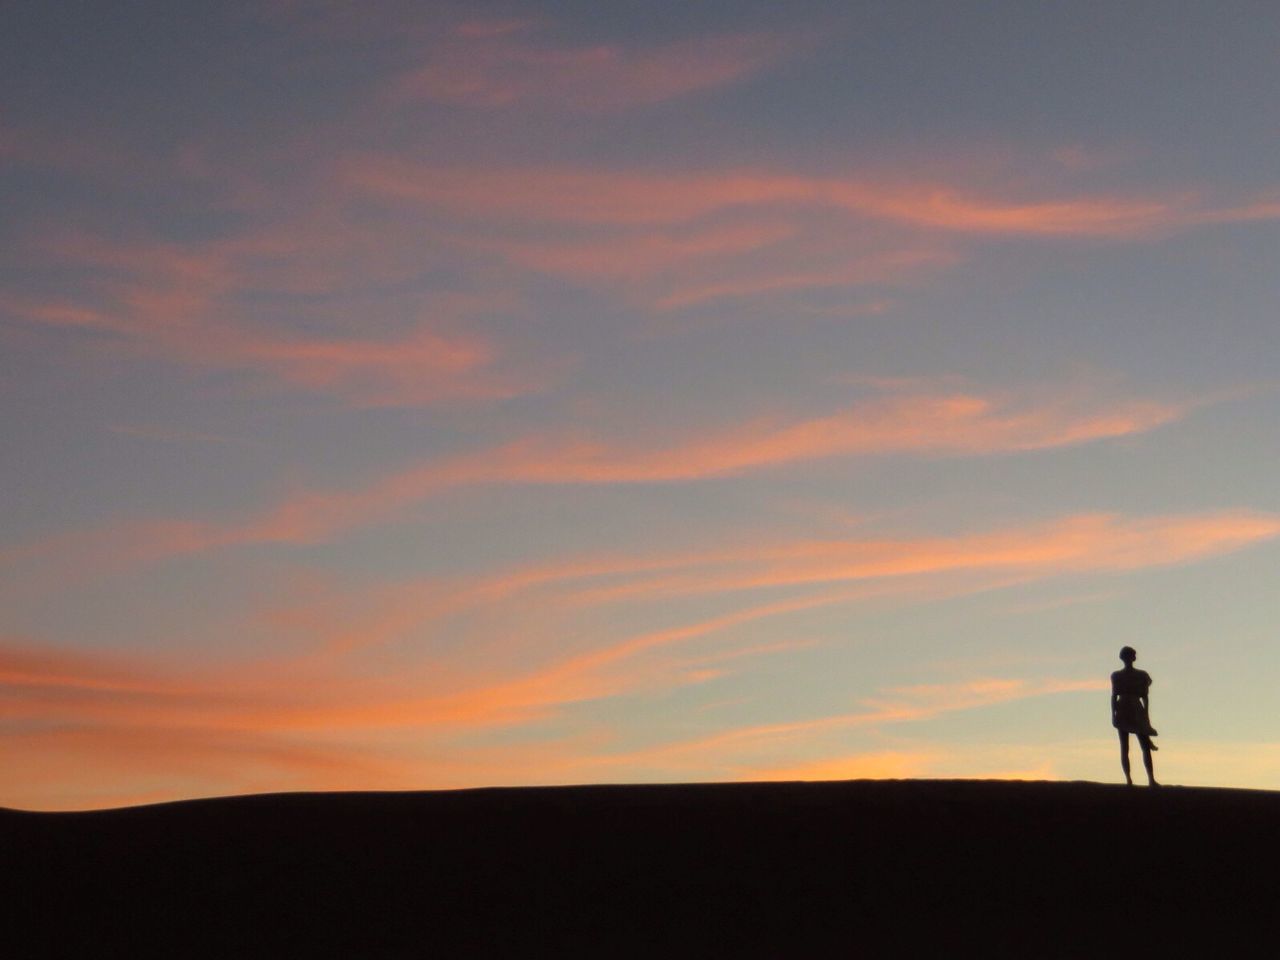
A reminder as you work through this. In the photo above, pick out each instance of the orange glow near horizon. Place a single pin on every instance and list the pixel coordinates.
(269, 712)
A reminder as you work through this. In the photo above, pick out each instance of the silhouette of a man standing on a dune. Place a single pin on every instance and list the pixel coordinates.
(1130, 712)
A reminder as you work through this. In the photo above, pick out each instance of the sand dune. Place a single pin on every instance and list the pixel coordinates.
(857, 868)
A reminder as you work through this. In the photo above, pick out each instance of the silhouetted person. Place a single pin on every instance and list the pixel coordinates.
(1131, 712)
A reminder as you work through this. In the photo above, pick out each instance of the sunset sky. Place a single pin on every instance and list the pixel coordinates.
(405, 395)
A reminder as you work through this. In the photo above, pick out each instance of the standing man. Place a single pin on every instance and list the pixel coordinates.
(1131, 712)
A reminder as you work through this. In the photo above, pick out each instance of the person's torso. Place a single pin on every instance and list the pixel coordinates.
(1131, 683)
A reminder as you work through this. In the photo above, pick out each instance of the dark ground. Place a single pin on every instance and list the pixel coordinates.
(859, 868)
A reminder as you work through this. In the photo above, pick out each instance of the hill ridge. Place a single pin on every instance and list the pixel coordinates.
(681, 869)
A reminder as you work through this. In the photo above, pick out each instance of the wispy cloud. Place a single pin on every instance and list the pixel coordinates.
(314, 722)
(496, 64)
(922, 425)
(622, 197)
(672, 268)
(742, 752)
(263, 726)
(937, 425)
(801, 575)
(1077, 544)
(186, 304)
(674, 240)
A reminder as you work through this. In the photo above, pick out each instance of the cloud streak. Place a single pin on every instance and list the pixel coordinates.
(1070, 546)
(842, 570)
(742, 752)
(636, 199)
(494, 65)
(192, 304)
(922, 425)
(678, 239)
(304, 721)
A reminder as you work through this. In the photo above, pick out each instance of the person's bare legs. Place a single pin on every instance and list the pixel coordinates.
(1145, 742)
(1124, 757)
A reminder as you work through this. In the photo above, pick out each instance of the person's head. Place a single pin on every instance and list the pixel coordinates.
(1128, 654)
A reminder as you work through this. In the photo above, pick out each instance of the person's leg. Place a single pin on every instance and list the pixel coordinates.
(1145, 742)
(1124, 757)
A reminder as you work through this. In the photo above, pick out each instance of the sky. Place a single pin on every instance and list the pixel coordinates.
(412, 395)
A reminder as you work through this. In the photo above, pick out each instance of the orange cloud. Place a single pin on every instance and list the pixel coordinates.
(889, 267)
(573, 196)
(82, 722)
(673, 267)
(955, 425)
(277, 698)
(319, 696)
(184, 304)
(73, 767)
(671, 241)
(313, 723)
(1082, 544)
(75, 754)
(899, 706)
(622, 256)
(744, 752)
(627, 198)
(309, 694)
(34, 668)
(495, 64)
(939, 425)
(91, 731)
(459, 698)
(841, 571)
